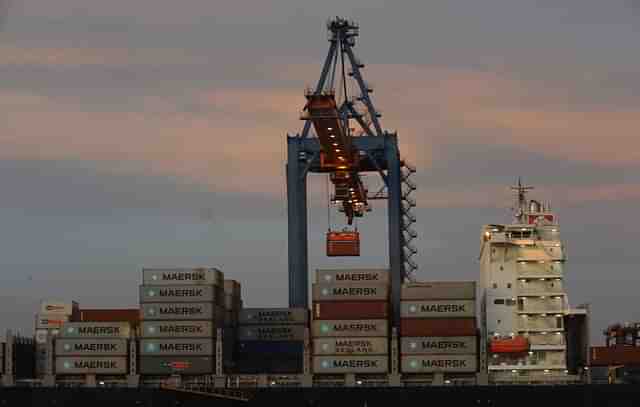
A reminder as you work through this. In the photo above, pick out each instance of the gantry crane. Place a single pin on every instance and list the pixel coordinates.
(338, 150)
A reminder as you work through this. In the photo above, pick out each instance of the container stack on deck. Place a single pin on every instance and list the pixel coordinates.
(181, 311)
(438, 328)
(350, 326)
(49, 321)
(92, 348)
(232, 307)
(271, 340)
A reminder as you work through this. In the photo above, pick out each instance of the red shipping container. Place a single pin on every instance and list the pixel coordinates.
(438, 327)
(333, 310)
(131, 315)
(614, 355)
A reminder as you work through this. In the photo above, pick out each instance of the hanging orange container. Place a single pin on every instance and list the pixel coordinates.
(343, 244)
(517, 344)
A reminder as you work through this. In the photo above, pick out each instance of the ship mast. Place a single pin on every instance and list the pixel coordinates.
(522, 201)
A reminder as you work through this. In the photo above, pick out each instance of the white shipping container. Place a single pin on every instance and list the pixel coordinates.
(50, 321)
(182, 276)
(350, 292)
(68, 365)
(359, 276)
(178, 311)
(350, 364)
(350, 328)
(439, 363)
(178, 346)
(177, 293)
(91, 347)
(58, 307)
(95, 330)
(178, 329)
(438, 345)
(350, 346)
(438, 309)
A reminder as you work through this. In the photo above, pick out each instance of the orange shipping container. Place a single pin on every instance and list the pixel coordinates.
(351, 310)
(614, 355)
(438, 327)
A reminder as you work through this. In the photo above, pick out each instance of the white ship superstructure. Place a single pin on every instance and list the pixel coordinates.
(523, 298)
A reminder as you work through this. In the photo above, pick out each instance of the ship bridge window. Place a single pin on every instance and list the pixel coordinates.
(510, 302)
(521, 234)
(498, 301)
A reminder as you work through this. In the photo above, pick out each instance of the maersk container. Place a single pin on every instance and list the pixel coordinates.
(91, 347)
(350, 292)
(69, 365)
(347, 328)
(271, 347)
(178, 329)
(346, 276)
(439, 290)
(351, 310)
(350, 346)
(350, 364)
(183, 347)
(280, 316)
(182, 276)
(185, 365)
(95, 330)
(271, 333)
(50, 321)
(178, 311)
(439, 363)
(438, 309)
(437, 327)
(177, 293)
(438, 345)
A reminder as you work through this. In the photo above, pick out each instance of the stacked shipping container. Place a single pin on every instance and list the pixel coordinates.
(438, 328)
(232, 307)
(49, 320)
(98, 348)
(271, 340)
(350, 321)
(181, 311)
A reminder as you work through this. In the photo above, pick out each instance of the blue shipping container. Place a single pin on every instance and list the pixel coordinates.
(271, 347)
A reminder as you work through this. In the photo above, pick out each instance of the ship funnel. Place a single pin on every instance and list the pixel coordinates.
(534, 206)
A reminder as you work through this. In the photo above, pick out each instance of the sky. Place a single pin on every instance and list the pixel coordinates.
(145, 133)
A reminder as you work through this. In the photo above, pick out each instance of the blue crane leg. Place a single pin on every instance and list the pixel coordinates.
(395, 223)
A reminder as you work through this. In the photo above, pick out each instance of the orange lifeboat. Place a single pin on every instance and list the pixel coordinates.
(517, 344)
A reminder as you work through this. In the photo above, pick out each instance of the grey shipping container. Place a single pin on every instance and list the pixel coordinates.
(280, 316)
(439, 363)
(350, 364)
(439, 290)
(350, 292)
(178, 329)
(438, 345)
(91, 365)
(186, 365)
(178, 346)
(95, 330)
(378, 276)
(347, 328)
(178, 311)
(438, 309)
(177, 293)
(271, 333)
(184, 276)
(350, 346)
(91, 347)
